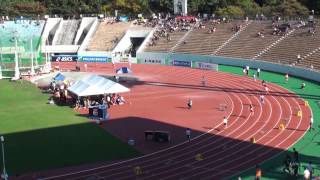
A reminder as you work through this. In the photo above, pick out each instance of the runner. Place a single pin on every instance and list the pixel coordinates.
(266, 89)
(251, 108)
(225, 122)
(190, 104)
(262, 99)
(203, 81)
(188, 134)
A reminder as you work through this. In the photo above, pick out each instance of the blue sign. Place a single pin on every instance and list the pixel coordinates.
(94, 58)
(123, 18)
(64, 58)
(182, 63)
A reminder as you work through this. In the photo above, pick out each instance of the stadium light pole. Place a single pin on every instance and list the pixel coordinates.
(1, 60)
(4, 175)
(16, 68)
(31, 51)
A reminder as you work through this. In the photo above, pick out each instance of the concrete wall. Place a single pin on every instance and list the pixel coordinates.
(125, 42)
(86, 23)
(58, 31)
(167, 58)
(146, 41)
(91, 32)
(50, 25)
(61, 49)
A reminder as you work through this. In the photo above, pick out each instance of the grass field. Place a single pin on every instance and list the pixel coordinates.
(309, 146)
(39, 136)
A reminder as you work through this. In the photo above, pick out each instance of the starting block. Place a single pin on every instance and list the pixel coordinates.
(299, 113)
(253, 140)
(306, 103)
(281, 126)
(199, 157)
(137, 170)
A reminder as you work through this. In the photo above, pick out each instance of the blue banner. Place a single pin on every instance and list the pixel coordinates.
(64, 58)
(123, 18)
(181, 63)
(94, 59)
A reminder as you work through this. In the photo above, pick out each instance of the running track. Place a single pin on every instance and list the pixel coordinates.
(225, 151)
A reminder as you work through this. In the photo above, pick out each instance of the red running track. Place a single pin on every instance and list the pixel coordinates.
(225, 151)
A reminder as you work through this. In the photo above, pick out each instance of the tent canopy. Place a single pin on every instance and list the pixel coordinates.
(59, 77)
(96, 85)
(123, 70)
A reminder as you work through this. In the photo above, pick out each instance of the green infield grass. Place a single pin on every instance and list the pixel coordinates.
(39, 136)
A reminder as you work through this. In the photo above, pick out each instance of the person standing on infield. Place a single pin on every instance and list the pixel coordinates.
(311, 123)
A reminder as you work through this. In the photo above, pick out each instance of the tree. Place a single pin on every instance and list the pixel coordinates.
(231, 11)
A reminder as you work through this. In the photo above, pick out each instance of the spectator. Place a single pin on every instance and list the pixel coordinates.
(306, 174)
(311, 66)
(298, 58)
(309, 167)
(258, 172)
(295, 167)
(295, 155)
(286, 163)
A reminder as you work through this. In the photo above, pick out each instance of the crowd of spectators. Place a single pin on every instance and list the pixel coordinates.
(3, 19)
(108, 100)
(167, 26)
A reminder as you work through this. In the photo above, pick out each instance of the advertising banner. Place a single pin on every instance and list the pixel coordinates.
(181, 63)
(207, 66)
(64, 58)
(94, 59)
(153, 61)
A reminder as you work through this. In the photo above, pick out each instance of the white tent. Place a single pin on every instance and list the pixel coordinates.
(96, 85)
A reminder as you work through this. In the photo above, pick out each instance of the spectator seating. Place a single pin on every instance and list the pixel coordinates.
(163, 45)
(248, 43)
(68, 32)
(300, 42)
(200, 41)
(107, 36)
(313, 59)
